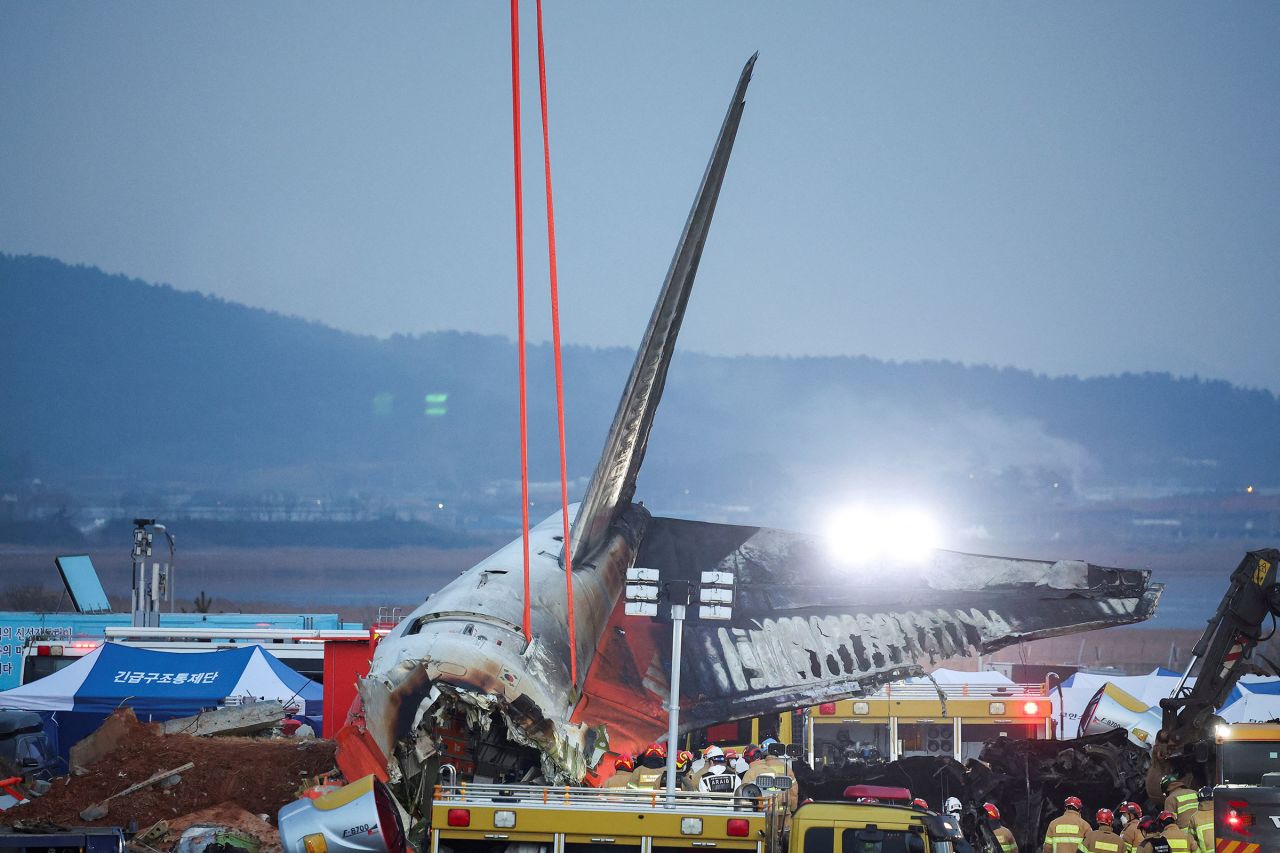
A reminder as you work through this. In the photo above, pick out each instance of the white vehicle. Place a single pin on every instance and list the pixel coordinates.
(300, 650)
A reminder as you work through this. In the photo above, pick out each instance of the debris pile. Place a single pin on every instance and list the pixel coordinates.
(236, 776)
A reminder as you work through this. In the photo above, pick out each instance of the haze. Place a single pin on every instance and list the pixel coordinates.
(1080, 189)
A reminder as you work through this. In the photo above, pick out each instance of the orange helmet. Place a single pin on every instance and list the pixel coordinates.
(683, 759)
(991, 810)
(624, 762)
(1105, 817)
(731, 755)
(1073, 803)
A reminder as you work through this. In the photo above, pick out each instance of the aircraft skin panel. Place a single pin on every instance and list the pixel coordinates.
(613, 483)
(807, 629)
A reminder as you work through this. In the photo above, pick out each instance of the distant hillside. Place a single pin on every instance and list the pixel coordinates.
(109, 380)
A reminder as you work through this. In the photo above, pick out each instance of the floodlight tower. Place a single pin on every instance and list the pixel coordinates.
(151, 584)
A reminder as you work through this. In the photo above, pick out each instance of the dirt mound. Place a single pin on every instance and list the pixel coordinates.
(255, 774)
(232, 817)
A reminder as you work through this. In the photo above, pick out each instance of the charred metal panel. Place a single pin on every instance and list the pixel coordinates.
(807, 628)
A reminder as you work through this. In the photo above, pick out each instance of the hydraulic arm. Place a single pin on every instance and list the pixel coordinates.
(1184, 744)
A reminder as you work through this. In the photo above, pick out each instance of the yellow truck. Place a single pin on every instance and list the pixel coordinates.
(483, 818)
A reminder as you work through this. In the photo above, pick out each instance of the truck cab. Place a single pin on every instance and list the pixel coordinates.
(1246, 800)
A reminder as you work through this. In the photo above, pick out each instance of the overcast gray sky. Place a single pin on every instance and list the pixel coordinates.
(1071, 188)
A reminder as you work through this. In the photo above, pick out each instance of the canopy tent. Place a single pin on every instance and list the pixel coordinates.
(158, 686)
(960, 676)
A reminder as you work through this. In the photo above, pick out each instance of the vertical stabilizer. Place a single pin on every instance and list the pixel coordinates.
(614, 481)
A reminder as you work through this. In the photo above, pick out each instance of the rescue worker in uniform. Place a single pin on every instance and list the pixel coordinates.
(1180, 841)
(1179, 799)
(623, 767)
(1064, 833)
(684, 761)
(1104, 838)
(1008, 844)
(691, 779)
(1202, 823)
(717, 777)
(760, 763)
(1152, 841)
(1131, 815)
(651, 768)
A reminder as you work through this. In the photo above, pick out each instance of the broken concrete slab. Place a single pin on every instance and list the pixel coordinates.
(232, 720)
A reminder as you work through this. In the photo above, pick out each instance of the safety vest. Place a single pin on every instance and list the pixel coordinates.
(1183, 803)
(1202, 823)
(1065, 834)
(1008, 844)
(1179, 841)
(1102, 841)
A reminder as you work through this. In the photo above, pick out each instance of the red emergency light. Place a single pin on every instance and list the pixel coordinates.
(1031, 709)
(459, 817)
(827, 708)
(737, 827)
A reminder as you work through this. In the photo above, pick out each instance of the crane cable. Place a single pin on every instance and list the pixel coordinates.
(524, 421)
(555, 346)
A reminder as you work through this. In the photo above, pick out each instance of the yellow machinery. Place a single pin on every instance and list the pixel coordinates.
(496, 818)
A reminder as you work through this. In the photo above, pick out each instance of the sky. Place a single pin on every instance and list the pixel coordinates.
(1080, 188)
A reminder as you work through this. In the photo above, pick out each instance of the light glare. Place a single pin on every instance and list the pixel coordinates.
(861, 535)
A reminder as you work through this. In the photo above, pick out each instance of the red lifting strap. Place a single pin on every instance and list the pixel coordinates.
(555, 344)
(524, 421)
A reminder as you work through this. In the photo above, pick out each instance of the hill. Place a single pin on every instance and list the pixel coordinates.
(114, 384)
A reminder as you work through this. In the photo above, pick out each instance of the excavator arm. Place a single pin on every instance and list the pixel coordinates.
(1184, 744)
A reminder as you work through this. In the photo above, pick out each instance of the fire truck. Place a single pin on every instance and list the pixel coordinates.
(494, 818)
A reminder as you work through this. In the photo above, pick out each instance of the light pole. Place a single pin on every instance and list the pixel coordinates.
(715, 601)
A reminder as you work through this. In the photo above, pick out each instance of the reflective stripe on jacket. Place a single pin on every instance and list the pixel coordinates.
(1182, 802)
(1179, 840)
(1008, 844)
(1102, 840)
(1202, 823)
(1065, 834)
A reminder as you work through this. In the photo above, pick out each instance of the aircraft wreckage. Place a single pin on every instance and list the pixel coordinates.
(803, 630)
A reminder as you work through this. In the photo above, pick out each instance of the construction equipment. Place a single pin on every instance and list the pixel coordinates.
(1185, 746)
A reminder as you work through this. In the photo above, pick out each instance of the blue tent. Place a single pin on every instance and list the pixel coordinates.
(158, 686)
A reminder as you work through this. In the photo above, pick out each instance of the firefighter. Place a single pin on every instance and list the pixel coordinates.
(708, 756)
(1104, 838)
(1131, 815)
(684, 761)
(1202, 823)
(651, 768)
(1180, 841)
(1008, 844)
(1064, 833)
(623, 766)
(1152, 841)
(1179, 799)
(716, 776)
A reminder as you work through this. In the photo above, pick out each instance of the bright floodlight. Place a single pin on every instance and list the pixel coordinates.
(860, 535)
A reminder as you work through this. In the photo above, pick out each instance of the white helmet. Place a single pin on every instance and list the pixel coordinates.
(952, 806)
(712, 751)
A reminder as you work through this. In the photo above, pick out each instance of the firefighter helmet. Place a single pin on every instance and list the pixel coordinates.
(1072, 803)
(1149, 825)
(655, 750)
(920, 803)
(991, 810)
(1105, 817)
(712, 751)
(624, 763)
(1205, 794)
(1167, 818)
(1132, 809)
(1166, 781)
(684, 758)
(752, 754)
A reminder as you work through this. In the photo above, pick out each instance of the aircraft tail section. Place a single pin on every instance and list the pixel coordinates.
(614, 481)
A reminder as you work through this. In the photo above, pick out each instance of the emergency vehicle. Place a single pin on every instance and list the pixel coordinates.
(489, 818)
